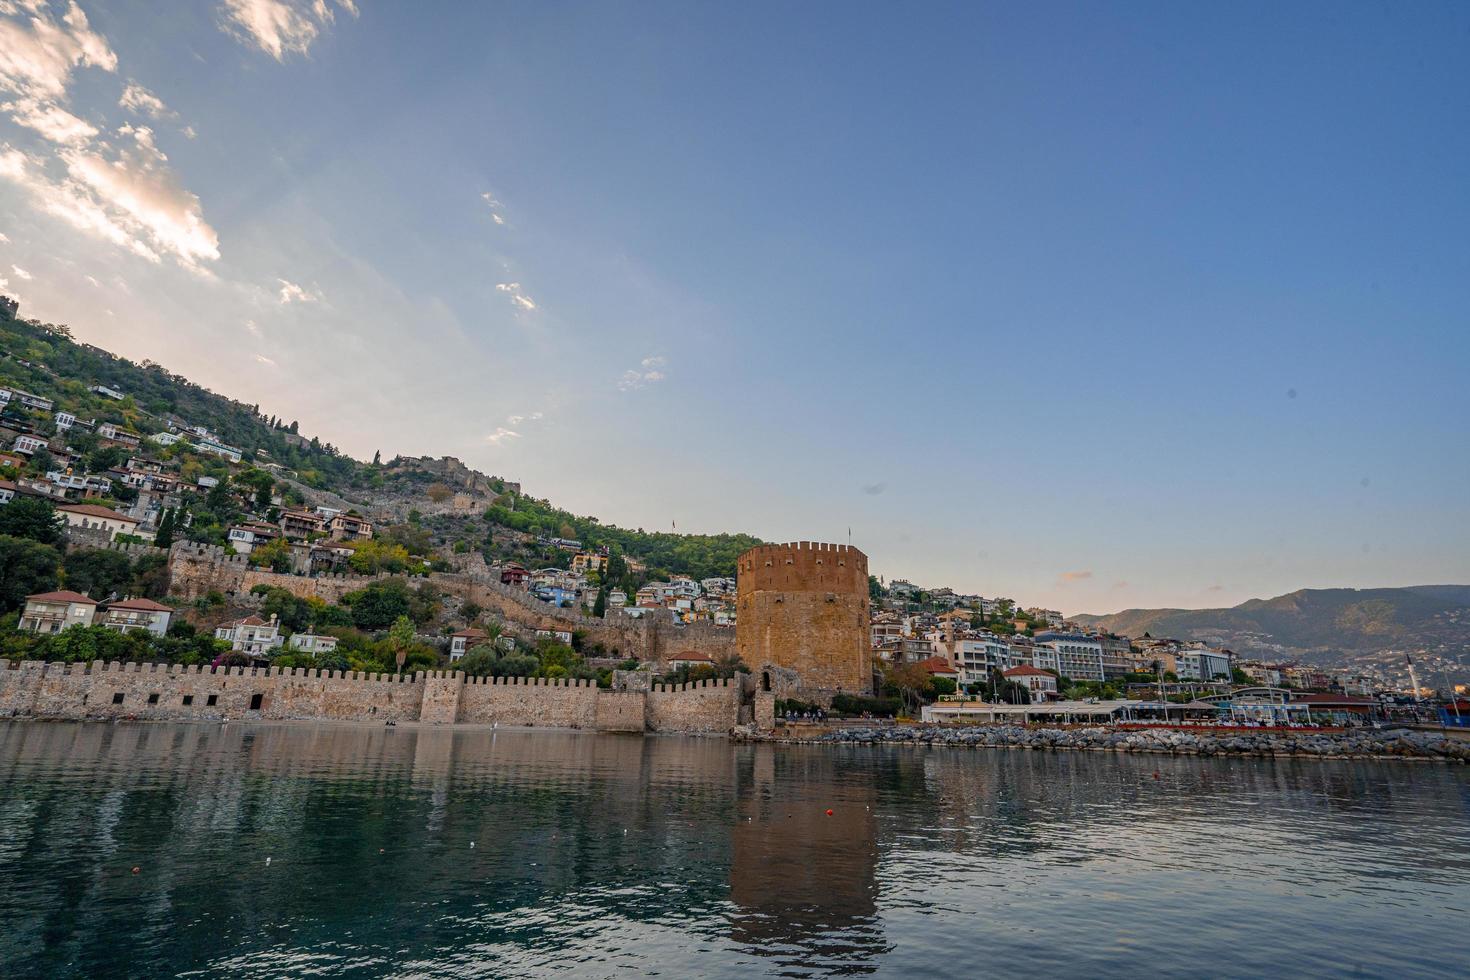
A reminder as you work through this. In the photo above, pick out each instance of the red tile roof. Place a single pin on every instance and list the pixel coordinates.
(62, 596)
(937, 665)
(1026, 670)
(143, 605)
(92, 510)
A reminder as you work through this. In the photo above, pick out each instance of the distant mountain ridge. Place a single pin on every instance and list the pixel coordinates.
(1319, 624)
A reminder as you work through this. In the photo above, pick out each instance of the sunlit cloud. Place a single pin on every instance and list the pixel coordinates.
(517, 296)
(1081, 576)
(649, 371)
(39, 53)
(136, 98)
(290, 292)
(261, 358)
(51, 121)
(21, 273)
(4, 238)
(495, 208)
(280, 27)
(500, 435)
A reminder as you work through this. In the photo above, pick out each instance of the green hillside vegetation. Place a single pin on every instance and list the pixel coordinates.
(664, 552)
(63, 370)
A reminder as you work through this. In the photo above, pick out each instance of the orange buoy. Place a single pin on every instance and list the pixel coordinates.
(829, 813)
(136, 870)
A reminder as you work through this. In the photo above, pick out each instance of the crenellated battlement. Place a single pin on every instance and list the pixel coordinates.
(174, 692)
(802, 566)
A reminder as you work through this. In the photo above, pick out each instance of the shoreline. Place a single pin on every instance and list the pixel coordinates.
(1364, 745)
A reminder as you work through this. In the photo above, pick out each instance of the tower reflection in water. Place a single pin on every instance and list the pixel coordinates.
(804, 884)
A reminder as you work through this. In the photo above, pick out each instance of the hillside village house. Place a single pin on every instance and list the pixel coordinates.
(7, 491)
(350, 527)
(559, 635)
(216, 448)
(247, 537)
(127, 615)
(251, 635)
(1037, 681)
(92, 517)
(52, 612)
(28, 445)
(25, 398)
(106, 392)
(690, 658)
(64, 421)
(312, 643)
(464, 641)
(298, 524)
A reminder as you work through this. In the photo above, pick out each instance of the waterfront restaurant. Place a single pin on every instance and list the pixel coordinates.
(1093, 711)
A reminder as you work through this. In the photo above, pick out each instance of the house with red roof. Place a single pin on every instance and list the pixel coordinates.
(1041, 683)
(127, 615)
(52, 612)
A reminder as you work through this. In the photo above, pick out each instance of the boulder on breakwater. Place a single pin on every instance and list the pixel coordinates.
(1363, 743)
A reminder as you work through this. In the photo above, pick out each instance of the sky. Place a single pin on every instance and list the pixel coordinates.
(1095, 306)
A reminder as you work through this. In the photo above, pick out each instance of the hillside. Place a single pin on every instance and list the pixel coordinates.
(463, 508)
(1326, 625)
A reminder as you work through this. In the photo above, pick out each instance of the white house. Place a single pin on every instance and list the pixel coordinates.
(52, 612)
(216, 448)
(64, 421)
(247, 537)
(1037, 681)
(559, 635)
(464, 641)
(312, 643)
(127, 615)
(106, 392)
(251, 635)
(164, 438)
(28, 444)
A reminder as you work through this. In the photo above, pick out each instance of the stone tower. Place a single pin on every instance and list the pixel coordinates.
(804, 606)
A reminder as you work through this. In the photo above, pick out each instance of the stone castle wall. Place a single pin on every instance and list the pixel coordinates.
(804, 607)
(195, 570)
(167, 692)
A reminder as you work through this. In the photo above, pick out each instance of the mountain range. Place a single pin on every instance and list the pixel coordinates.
(1333, 627)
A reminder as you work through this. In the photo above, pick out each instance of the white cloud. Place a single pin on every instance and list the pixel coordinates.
(517, 296)
(518, 419)
(4, 283)
(649, 371)
(495, 208)
(93, 281)
(500, 435)
(4, 238)
(51, 121)
(119, 190)
(262, 359)
(280, 27)
(254, 330)
(23, 274)
(292, 293)
(39, 54)
(136, 98)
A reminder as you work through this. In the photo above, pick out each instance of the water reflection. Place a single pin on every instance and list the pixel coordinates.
(513, 854)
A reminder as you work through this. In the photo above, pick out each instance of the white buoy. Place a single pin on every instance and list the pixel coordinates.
(267, 862)
(472, 843)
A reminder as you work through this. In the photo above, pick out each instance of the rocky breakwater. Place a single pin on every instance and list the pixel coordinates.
(1353, 744)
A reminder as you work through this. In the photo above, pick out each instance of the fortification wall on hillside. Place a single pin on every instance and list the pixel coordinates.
(165, 692)
(195, 570)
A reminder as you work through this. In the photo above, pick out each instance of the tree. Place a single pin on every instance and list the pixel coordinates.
(380, 604)
(910, 681)
(275, 554)
(98, 573)
(400, 638)
(438, 492)
(31, 517)
(599, 607)
(377, 457)
(164, 538)
(26, 567)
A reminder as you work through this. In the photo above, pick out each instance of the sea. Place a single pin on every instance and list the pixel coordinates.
(293, 850)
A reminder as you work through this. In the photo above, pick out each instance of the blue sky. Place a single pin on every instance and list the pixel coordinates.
(1095, 306)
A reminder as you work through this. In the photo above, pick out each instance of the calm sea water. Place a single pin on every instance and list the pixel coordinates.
(279, 851)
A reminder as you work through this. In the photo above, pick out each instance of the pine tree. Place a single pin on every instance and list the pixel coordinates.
(165, 536)
(377, 457)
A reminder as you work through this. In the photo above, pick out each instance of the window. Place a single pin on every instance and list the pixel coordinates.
(188, 700)
(117, 698)
(212, 700)
(153, 698)
(255, 702)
